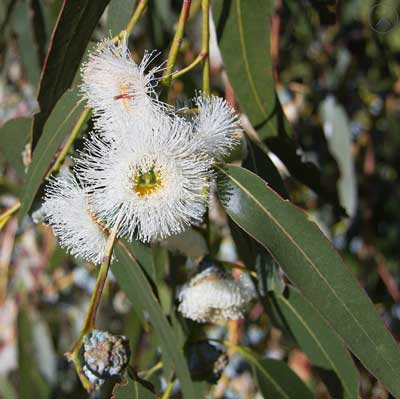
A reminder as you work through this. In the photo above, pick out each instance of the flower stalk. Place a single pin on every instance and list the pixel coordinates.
(176, 43)
(140, 9)
(7, 215)
(205, 45)
(90, 319)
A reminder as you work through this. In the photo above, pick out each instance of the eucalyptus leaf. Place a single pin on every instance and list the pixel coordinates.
(321, 345)
(131, 390)
(27, 47)
(275, 379)
(338, 135)
(71, 34)
(14, 135)
(134, 282)
(32, 384)
(243, 33)
(314, 267)
(60, 123)
(119, 14)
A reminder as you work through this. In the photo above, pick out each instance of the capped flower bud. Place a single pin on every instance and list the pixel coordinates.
(214, 295)
(206, 362)
(105, 356)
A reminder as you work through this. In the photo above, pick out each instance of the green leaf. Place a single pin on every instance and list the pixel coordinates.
(60, 123)
(131, 390)
(27, 47)
(314, 267)
(7, 391)
(338, 135)
(243, 32)
(322, 346)
(70, 37)
(275, 379)
(32, 384)
(133, 281)
(119, 14)
(14, 135)
(272, 372)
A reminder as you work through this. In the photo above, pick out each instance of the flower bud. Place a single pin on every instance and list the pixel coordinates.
(105, 356)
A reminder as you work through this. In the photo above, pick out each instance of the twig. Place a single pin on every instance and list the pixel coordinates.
(205, 45)
(176, 43)
(388, 279)
(90, 319)
(6, 216)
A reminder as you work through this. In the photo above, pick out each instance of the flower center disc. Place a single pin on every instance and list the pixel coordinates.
(145, 183)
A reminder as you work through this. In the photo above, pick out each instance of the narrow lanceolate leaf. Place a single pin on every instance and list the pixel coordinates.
(339, 138)
(60, 123)
(25, 38)
(322, 346)
(31, 383)
(14, 135)
(75, 24)
(243, 32)
(133, 281)
(272, 372)
(119, 14)
(314, 267)
(275, 379)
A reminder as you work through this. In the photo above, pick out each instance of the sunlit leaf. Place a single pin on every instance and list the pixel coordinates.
(243, 32)
(60, 123)
(314, 267)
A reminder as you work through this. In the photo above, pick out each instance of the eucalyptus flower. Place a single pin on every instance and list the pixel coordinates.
(114, 85)
(67, 210)
(216, 126)
(153, 180)
(213, 295)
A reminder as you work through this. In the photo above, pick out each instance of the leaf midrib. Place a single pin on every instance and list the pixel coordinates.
(36, 162)
(302, 321)
(309, 261)
(245, 59)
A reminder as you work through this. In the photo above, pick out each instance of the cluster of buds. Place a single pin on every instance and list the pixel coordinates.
(105, 356)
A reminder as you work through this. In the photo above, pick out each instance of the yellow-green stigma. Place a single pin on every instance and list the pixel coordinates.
(146, 183)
